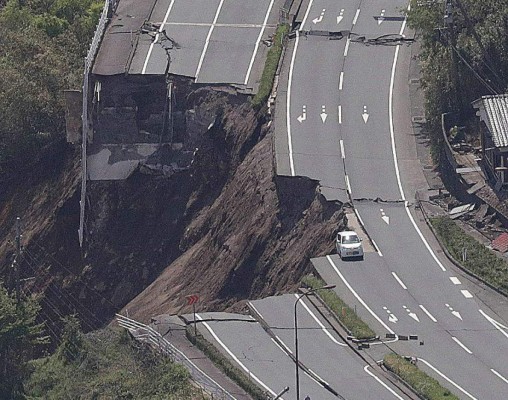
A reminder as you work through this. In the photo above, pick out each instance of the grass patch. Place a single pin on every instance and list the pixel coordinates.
(271, 63)
(480, 260)
(426, 386)
(225, 365)
(107, 364)
(344, 313)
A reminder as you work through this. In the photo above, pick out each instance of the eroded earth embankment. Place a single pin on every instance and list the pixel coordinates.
(226, 229)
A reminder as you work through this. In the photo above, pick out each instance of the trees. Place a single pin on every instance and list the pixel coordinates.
(19, 335)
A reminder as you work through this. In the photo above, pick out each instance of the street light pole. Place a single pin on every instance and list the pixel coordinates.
(297, 373)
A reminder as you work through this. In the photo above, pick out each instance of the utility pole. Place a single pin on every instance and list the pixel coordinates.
(17, 259)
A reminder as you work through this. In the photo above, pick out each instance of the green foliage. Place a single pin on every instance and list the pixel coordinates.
(105, 365)
(480, 260)
(271, 63)
(449, 77)
(42, 46)
(344, 313)
(426, 386)
(19, 335)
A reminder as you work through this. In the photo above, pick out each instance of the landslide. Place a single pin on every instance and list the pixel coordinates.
(227, 229)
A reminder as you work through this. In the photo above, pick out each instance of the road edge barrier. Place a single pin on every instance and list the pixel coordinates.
(147, 334)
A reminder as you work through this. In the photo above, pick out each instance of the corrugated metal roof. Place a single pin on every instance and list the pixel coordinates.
(494, 112)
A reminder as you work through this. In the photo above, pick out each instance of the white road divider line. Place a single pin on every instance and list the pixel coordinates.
(496, 324)
(428, 313)
(357, 296)
(466, 294)
(342, 152)
(348, 186)
(355, 19)
(394, 151)
(247, 75)
(455, 280)
(461, 345)
(339, 112)
(346, 49)
(161, 28)
(399, 280)
(323, 328)
(448, 379)
(207, 41)
(288, 105)
(341, 80)
(231, 354)
(377, 248)
(499, 375)
(306, 15)
(366, 369)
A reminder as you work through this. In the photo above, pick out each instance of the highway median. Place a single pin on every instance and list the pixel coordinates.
(345, 314)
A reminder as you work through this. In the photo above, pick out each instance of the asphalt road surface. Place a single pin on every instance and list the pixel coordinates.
(404, 287)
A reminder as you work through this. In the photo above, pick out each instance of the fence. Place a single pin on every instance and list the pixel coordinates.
(109, 6)
(153, 338)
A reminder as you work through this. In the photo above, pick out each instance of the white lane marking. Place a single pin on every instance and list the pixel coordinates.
(377, 248)
(234, 357)
(323, 328)
(357, 296)
(257, 43)
(356, 16)
(341, 80)
(348, 186)
(461, 344)
(207, 41)
(399, 280)
(161, 28)
(306, 15)
(466, 294)
(366, 369)
(347, 47)
(288, 105)
(219, 25)
(428, 313)
(278, 345)
(499, 375)
(455, 280)
(496, 324)
(339, 110)
(394, 151)
(342, 151)
(448, 379)
(284, 344)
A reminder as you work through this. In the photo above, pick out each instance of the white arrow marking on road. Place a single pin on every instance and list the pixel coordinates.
(391, 317)
(323, 114)
(381, 18)
(411, 314)
(320, 18)
(456, 313)
(303, 117)
(365, 114)
(385, 217)
(340, 16)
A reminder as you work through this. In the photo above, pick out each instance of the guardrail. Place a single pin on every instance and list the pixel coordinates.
(147, 334)
(109, 7)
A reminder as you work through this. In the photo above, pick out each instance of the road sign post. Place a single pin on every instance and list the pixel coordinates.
(193, 299)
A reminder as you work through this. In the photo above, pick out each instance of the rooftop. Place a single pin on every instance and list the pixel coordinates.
(493, 110)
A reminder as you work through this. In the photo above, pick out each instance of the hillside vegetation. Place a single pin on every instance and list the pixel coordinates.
(464, 55)
(42, 47)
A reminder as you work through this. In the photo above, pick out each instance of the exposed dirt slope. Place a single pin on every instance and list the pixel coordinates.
(227, 229)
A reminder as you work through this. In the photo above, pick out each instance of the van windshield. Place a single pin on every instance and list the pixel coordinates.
(350, 239)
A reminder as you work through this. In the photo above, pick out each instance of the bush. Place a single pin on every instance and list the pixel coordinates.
(426, 386)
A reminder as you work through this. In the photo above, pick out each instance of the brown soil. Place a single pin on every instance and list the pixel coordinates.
(228, 229)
